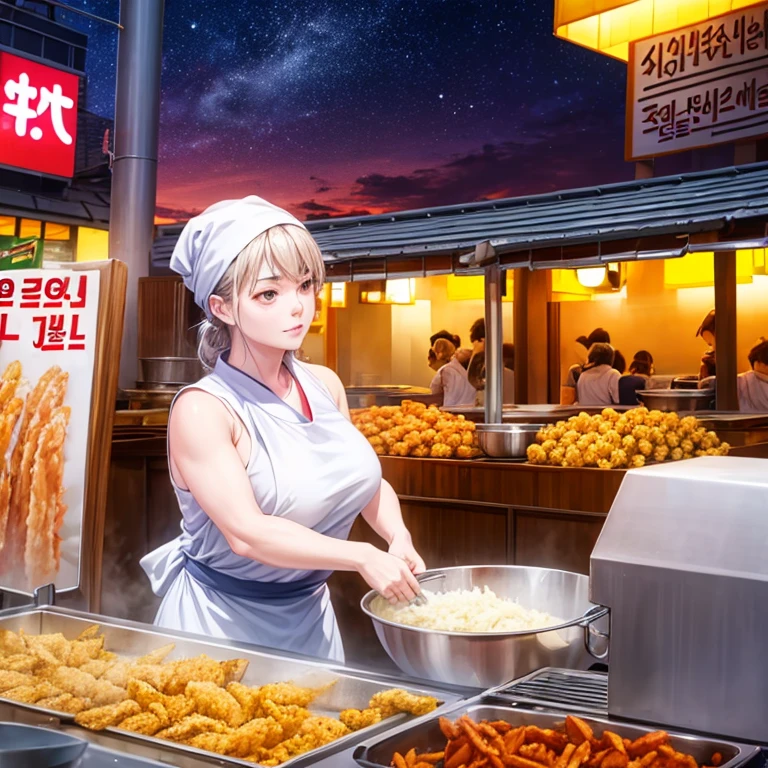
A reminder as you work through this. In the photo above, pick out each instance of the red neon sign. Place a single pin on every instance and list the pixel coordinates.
(38, 116)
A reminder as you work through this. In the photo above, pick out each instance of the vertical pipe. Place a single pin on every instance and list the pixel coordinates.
(134, 172)
(725, 331)
(494, 382)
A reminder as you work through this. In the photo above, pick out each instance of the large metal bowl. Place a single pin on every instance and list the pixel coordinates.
(508, 441)
(678, 399)
(484, 660)
(29, 746)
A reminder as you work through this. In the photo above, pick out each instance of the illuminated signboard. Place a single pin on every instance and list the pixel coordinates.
(38, 116)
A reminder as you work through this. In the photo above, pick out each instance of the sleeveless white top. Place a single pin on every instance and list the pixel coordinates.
(319, 472)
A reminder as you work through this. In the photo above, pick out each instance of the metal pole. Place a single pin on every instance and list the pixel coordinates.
(494, 364)
(134, 172)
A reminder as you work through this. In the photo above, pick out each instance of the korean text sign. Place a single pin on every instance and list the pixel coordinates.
(699, 86)
(38, 116)
(48, 332)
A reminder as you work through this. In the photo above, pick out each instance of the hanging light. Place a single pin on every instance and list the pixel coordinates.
(591, 277)
(400, 291)
(609, 26)
(338, 295)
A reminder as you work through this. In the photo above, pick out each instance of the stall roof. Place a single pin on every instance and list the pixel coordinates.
(648, 214)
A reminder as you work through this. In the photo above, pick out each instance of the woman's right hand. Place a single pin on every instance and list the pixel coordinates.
(390, 576)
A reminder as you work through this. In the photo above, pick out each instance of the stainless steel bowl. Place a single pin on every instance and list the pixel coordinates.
(171, 370)
(678, 399)
(483, 660)
(506, 440)
(30, 746)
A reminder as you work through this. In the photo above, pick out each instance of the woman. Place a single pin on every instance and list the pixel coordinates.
(707, 332)
(568, 389)
(598, 383)
(476, 374)
(451, 381)
(753, 385)
(640, 371)
(269, 472)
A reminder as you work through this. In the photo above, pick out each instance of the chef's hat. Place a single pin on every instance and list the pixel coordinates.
(210, 242)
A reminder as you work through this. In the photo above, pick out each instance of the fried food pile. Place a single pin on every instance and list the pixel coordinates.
(499, 744)
(614, 441)
(31, 475)
(199, 702)
(414, 429)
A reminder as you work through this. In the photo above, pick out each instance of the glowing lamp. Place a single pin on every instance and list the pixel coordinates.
(608, 26)
(338, 295)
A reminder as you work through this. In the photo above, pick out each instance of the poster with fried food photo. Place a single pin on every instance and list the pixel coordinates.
(47, 352)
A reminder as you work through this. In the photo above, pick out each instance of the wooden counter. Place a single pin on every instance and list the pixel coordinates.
(459, 513)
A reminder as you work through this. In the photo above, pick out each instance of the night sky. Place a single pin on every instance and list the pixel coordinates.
(330, 107)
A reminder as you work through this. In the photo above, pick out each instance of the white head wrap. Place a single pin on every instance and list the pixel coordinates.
(210, 242)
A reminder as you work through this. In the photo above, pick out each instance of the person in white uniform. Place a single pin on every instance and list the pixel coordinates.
(753, 385)
(269, 472)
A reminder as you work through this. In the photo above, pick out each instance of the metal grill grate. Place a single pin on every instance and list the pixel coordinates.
(559, 688)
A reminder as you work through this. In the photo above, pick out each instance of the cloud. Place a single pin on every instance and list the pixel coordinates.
(541, 158)
(314, 207)
(321, 185)
(176, 213)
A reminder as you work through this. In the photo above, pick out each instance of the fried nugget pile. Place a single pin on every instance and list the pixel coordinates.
(31, 480)
(414, 429)
(498, 745)
(614, 441)
(199, 702)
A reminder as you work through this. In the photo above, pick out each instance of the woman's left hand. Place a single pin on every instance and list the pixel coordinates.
(401, 546)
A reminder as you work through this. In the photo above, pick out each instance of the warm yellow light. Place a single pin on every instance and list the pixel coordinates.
(30, 228)
(472, 287)
(400, 291)
(56, 231)
(338, 295)
(372, 297)
(760, 261)
(608, 26)
(697, 270)
(7, 225)
(591, 277)
(92, 244)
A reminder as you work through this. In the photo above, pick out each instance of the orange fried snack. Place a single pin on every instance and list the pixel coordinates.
(215, 702)
(106, 717)
(46, 508)
(500, 745)
(10, 411)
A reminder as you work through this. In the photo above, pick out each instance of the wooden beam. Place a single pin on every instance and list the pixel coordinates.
(725, 314)
(531, 322)
(553, 351)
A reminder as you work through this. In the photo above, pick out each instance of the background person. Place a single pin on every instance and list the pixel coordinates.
(598, 383)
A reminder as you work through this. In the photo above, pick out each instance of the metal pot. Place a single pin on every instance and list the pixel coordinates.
(678, 399)
(171, 370)
(506, 440)
(387, 394)
(483, 660)
(29, 746)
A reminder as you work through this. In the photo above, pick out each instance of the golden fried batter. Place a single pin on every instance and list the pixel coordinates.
(157, 656)
(247, 697)
(96, 667)
(11, 643)
(30, 694)
(19, 662)
(179, 673)
(122, 671)
(83, 651)
(149, 722)
(88, 633)
(10, 679)
(262, 732)
(55, 644)
(215, 702)
(106, 717)
(356, 719)
(289, 716)
(397, 700)
(84, 685)
(65, 702)
(191, 726)
(285, 694)
(234, 669)
(177, 707)
(212, 742)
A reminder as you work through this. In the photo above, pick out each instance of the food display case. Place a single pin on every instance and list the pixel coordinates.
(681, 563)
(341, 687)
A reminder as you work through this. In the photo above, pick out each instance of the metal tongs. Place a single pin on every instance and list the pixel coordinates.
(421, 599)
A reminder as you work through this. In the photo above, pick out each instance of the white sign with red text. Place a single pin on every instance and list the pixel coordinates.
(48, 333)
(38, 116)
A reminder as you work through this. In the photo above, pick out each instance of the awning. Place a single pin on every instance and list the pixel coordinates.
(653, 217)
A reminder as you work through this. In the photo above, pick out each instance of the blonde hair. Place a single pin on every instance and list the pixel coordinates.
(288, 250)
(444, 349)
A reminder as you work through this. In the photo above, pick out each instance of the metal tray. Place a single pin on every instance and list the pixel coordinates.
(425, 735)
(353, 688)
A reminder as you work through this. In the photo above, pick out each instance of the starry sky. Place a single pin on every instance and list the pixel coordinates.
(339, 107)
